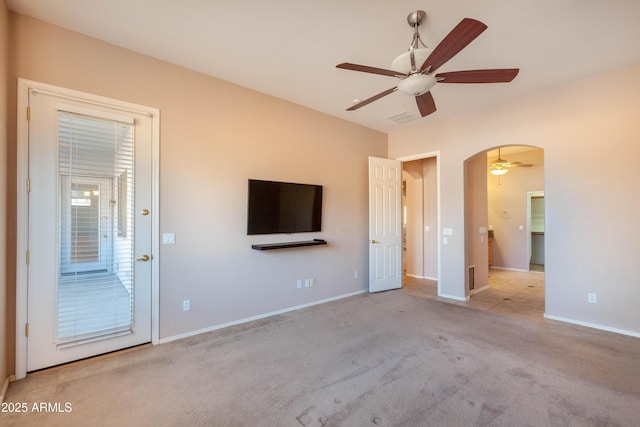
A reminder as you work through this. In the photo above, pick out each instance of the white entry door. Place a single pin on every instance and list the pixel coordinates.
(89, 226)
(385, 227)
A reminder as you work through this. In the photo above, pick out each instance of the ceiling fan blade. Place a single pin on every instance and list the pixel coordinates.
(426, 104)
(462, 34)
(367, 69)
(521, 165)
(373, 98)
(503, 75)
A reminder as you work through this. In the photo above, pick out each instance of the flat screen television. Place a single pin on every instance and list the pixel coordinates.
(283, 207)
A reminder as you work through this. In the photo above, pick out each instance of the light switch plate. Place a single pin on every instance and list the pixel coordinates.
(169, 238)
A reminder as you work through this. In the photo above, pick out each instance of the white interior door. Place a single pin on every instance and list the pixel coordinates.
(89, 273)
(385, 224)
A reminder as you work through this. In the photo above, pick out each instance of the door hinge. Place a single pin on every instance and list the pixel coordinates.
(26, 329)
(28, 185)
(28, 113)
(28, 257)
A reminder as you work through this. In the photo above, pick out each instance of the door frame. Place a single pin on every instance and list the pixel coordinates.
(436, 155)
(22, 232)
(530, 195)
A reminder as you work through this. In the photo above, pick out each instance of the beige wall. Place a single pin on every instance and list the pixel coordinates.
(215, 136)
(5, 336)
(430, 208)
(475, 205)
(414, 218)
(591, 203)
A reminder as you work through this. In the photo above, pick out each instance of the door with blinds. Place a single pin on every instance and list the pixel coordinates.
(89, 229)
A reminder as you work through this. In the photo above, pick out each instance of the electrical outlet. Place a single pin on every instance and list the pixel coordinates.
(186, 305)
(591, 298)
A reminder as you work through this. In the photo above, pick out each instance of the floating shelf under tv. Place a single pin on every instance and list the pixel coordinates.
(285, 245)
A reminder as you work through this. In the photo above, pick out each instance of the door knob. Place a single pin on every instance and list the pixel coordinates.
(144, 257)
(144, 211)
(374, 242)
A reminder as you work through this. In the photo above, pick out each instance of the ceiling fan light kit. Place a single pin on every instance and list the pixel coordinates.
(499, 171)
(417, 66)
(417, 84)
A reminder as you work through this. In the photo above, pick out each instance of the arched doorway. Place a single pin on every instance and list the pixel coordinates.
(498, 230)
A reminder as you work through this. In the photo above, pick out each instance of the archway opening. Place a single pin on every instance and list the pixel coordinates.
(504, 230)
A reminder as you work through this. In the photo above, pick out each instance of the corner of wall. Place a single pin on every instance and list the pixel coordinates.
(4, 118)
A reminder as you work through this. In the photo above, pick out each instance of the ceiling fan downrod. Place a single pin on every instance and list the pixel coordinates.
(415, 19)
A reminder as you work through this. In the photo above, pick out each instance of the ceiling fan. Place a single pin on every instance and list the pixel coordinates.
(501, 166)
(416, 68)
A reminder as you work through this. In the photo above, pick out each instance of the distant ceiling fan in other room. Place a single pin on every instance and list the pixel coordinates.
(501, 166)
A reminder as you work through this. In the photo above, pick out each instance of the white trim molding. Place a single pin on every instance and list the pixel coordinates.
(5, 387)
(495, 267)
(593, 325)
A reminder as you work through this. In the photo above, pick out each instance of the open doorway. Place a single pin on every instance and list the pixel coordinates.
(420, 226)
(500, 230)
(535, 225)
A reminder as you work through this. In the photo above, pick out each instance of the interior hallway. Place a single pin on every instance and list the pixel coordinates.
(511, 293)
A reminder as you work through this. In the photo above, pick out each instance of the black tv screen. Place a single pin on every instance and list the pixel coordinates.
(283, 207)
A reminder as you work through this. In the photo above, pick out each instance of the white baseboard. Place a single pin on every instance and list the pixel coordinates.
(593, 325)
(258, 317)
(457, 298)
(475, 291)
(507, 268)
(415, 276)
(5, 387)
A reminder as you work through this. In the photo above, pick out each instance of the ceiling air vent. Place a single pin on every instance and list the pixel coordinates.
(403, 117)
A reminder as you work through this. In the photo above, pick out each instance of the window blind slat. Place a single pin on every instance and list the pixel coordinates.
(96, 275)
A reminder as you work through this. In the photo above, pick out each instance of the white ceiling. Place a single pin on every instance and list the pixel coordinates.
(289, 48)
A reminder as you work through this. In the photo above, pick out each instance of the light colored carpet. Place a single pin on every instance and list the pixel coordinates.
(389, 359)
